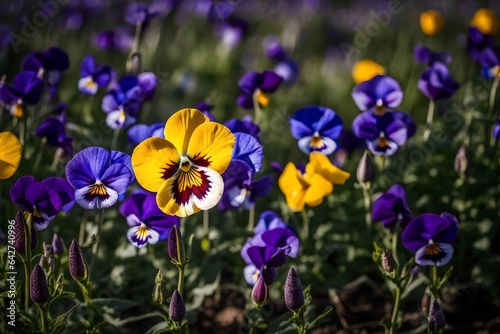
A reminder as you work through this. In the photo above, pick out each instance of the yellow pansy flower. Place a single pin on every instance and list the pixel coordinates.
(184, 168)
(485, 20)
(431, 22)
(10, 154)
(311, 187)
(365, 69)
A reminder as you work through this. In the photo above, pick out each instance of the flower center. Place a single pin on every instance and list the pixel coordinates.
(262, 98)
(316, 141)
(17, 109)
(143, 232)
(97, 190)
(432, 249)
(382, 141)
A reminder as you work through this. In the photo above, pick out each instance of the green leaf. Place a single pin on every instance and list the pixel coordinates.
(377, 252)
(58, 324)
(282, 325)
(307, 296)
(444, 279)
(386, 323)
(314, 323)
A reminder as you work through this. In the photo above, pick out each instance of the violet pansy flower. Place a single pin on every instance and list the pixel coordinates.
(316, 129)
(148, 224)
(97, 181)
(391, 208)
(377, 94)
(437, 83)
(43, 200)
(431, 237)
(245, 125)
(26, 88)
(269, 220)
(257, 85)
(139, 132)
(424, 55)
(54, 130)
(93, 76)
(477, 42)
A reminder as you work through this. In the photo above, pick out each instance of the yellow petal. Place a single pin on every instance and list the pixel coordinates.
(293, 186)
(154, 161)
(431, 22)
(181, 125)
(320, 164)
(366, 69)
(211, 146)
(10, 154)
(319, 188)
(485, 20)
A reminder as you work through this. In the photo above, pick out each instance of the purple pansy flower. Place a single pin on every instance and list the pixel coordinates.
(316, 129)
(97, 181)
(391, 208)
(377, 94)
(206, 108)
(431, 237)
(43, 200)
(254, 84)
(477, 42)
(269, 220)
(120, 39)
(249, 150)
(93, 76)
(47, 64)
(230, 32)
(385, 133)
(437, 83)
(26, 88)
(138, 13)
(266, 251)
(148, 224)
(245, 125)
(287, 69)
(240, 190)
(123, 103)
(139, 132)
(273, 48)
(424, 55)
(54, 130)
(490, 62)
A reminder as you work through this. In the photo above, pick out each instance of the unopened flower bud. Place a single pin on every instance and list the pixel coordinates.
(424, 303)
(59, 282)
(19, 235)
(78, 267)
(436, 317)
(260, 292)
(57, 245)
(294, 296)
(366, 171)
(176, 247)
(47, 261)
(388, 262)
(157, 290)
(39, 290)
(462, 160)
(414, 271)
(177, 309)
(133, 63)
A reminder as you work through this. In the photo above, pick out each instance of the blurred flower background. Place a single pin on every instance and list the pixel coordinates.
(305, 86)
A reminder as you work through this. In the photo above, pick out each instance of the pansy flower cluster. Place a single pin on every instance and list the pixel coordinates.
(383, 130)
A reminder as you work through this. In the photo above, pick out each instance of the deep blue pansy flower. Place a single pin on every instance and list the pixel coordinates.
(240, 189)
(26, 88)
(43, 200)
(123, 103)
(148, 224)
(490, 62)
(424, 55)
(93, 76)
(269, 220)
(48, 64)
(437, 83)
(245, 125)
(54, 130)
(391, 208)
(139, 132)
(97, 181)
(385, 133)
(266, 251)
(477, 42)
(377, 94)
(431, 237)
(257, 85)
(316, 129)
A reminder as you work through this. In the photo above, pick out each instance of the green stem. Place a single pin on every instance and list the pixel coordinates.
(256, 106)
(428, 123)
(395, 310)
(87, 113)
(95, 247)
(180, 282)
(114, 141)
(40, 153)
(368, 211)
(434, 278)
(394, 245)
(27, 261)
(493, 93)
(83, 226)
(44, 318)
(251, 218)
(305, 224)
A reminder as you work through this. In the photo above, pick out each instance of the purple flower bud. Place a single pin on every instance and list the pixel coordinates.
(388, 262)
(19, 235)
(57, 245)
(294, 296)
(176, 247)
(177, 309)
(415, 270)
(462, 160)
(365, 172)
(436, 317)
(78, 267)
(39, 290)
(260, 292)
